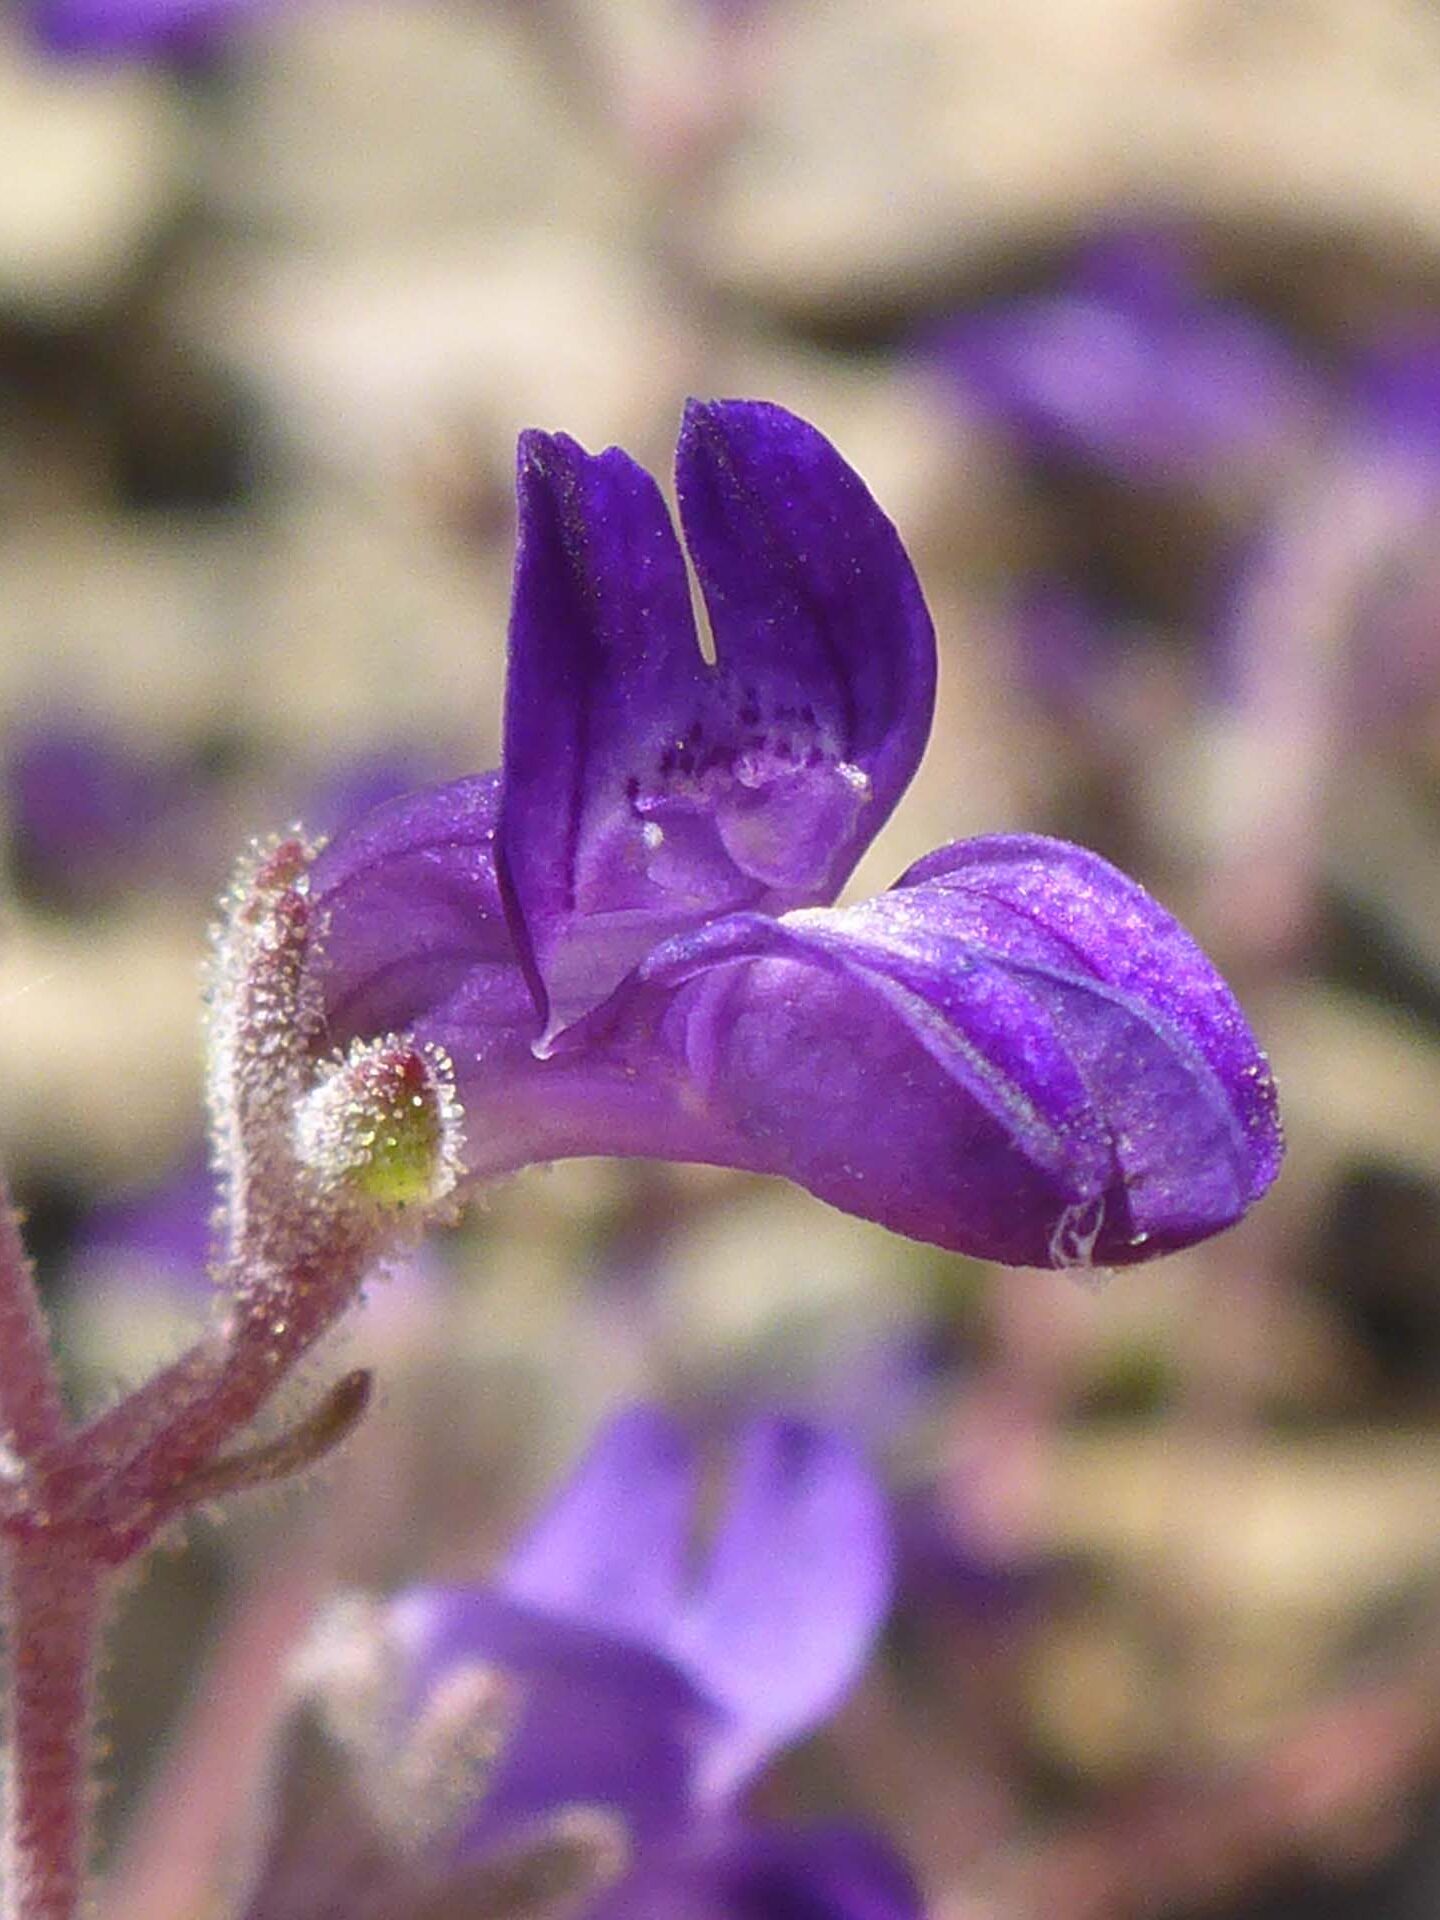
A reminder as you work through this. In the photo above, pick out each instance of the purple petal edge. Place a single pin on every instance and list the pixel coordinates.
(794, 1595)
(610, 1550)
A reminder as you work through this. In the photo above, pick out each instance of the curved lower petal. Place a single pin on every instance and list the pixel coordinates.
(1016, 1053)
(1067, 901)
(883, 1100)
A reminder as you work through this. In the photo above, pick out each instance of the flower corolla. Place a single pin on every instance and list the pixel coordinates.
(625, 944)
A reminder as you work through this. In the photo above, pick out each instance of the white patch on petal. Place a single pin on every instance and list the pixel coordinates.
(1072, 1242)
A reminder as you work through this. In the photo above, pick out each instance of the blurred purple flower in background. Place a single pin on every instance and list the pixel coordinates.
(138, 1274)
(754, 1872)
(1327, 640)
(92, 814)
(1397, 394)
(1133, 367)
(693, 1684)
(649, 1691)
(347, 787)
(1342, 573)
(1393, 442)
(163, 1236)
(85, 808)
(1063, 644)
(128, 28)
(624, 941)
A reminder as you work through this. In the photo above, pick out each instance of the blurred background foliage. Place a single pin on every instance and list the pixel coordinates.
(1127, 310)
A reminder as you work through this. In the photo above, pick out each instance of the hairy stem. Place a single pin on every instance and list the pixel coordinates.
(54, 1597)
(32, 1415)
(264, 1340)
(52, 1615)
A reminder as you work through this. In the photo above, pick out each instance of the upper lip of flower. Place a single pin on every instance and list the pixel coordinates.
(646, 789)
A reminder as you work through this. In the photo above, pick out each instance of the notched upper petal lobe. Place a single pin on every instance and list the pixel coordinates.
(647, 790)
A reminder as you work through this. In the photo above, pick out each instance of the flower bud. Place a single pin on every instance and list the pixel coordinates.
(382, 1125)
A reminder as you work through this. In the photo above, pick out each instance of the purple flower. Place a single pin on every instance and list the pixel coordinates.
(1133, 367)
(624, 941)
(166, 1233)
(126, 28)
(1397, 395)
(1064, 645)
(92, 815)
(653, 1695)
(1331, 609)
(1395, 604)
(86, 808)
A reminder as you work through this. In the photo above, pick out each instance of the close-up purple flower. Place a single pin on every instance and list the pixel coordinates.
(646, 1697)
(624, 940)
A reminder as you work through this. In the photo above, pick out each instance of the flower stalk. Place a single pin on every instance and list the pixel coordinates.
(305, 1218)
(55, 1600)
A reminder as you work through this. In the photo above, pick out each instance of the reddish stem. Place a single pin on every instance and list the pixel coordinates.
(85, 1501)
(117, 1435)
(54, 1603)
(265, 1341)
(32, 1414)
(53, 1600)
